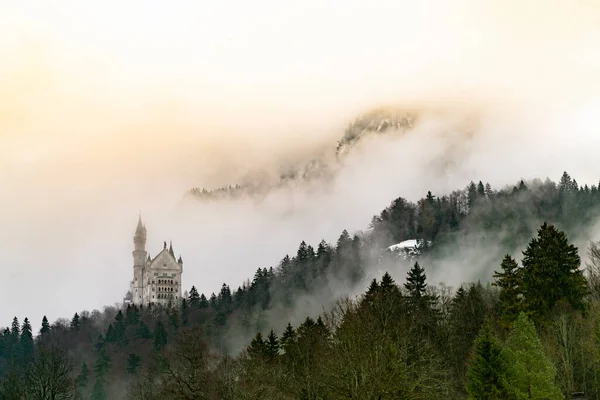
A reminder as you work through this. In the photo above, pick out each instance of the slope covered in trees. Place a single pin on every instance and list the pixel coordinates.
(377, 121)
(411, 340)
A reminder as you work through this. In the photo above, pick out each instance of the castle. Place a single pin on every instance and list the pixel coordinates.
(155, 280)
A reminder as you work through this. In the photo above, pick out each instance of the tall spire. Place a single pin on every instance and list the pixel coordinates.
(140, 225)
(171, 249)
(140, 234)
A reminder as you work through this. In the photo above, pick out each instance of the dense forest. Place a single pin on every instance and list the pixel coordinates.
(531, 331)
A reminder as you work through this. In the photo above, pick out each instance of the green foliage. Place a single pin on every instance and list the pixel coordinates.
(551, 273)
(26, 342)
(487, 367)
(45, 326)
(134, 363)
(508, 280)
(530, 374)
(409, 344)
(102, 365)
(83, 378)
(98, 391)
(160, 336)
(75, 322)
(415, 282)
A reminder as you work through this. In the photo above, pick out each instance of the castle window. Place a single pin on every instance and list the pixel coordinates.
(156, 274)
(152, 296)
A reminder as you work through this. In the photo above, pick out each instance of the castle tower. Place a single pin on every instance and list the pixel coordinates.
(155, 280)
(139, 262)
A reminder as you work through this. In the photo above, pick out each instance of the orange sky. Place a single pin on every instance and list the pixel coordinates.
(113, 106)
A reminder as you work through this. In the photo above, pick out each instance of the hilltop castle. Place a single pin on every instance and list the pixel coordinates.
(155, 280)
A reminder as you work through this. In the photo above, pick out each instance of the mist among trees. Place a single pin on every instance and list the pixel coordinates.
(529, 331)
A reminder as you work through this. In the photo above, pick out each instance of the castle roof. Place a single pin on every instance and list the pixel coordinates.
(165, 253)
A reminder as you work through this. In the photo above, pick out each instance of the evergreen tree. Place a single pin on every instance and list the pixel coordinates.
(173, 320)
(288, 338)
(160, 336)
(103, 364)
(15, 329)
(26, 341)
(213, 301)
(487, 368)
(415, 282)
(530, 374)
(471, 195)
(272, 345)
(258, 347)
(119, 326)
(142, 331)
(133, 363)
(480, 190)
(98, 391)
(203, 303)
(489, 193)
(193, 297)
(508, 282)
(225, 299)
(387, 283)
(185, 311)
(75, 322)
(45, 326)
(551, 273)
(372, 291)
(83, 378)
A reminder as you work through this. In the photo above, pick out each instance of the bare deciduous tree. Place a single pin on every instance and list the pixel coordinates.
(593, 270)
(50, 376)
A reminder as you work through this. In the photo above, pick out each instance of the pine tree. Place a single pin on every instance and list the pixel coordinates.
(489, 193)
(551, 273)
(75, 322)
(45, 326)
(387, 283)
(133, 363)
(225, 299)
(160, 336)
(83, 378)
(203, 302)
(173, 320)
(213, 301)
(530, 374)
(258, 347)
(471, 194)
(119, 326)
(480, 190)
(98, 392)
(26, 341)
(185, 311)
(142, 331)
(272, 345)
(288, 338)
(566, 183)
(15, 329)
(103, 364)
(487, 368)
(510, 296)
(193, 297)
(372, 291)
(415, 282)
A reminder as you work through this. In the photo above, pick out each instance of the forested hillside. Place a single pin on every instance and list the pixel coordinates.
(377, 121)
(531, 331)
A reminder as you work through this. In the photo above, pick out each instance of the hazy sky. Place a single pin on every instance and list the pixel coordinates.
(108, 108)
